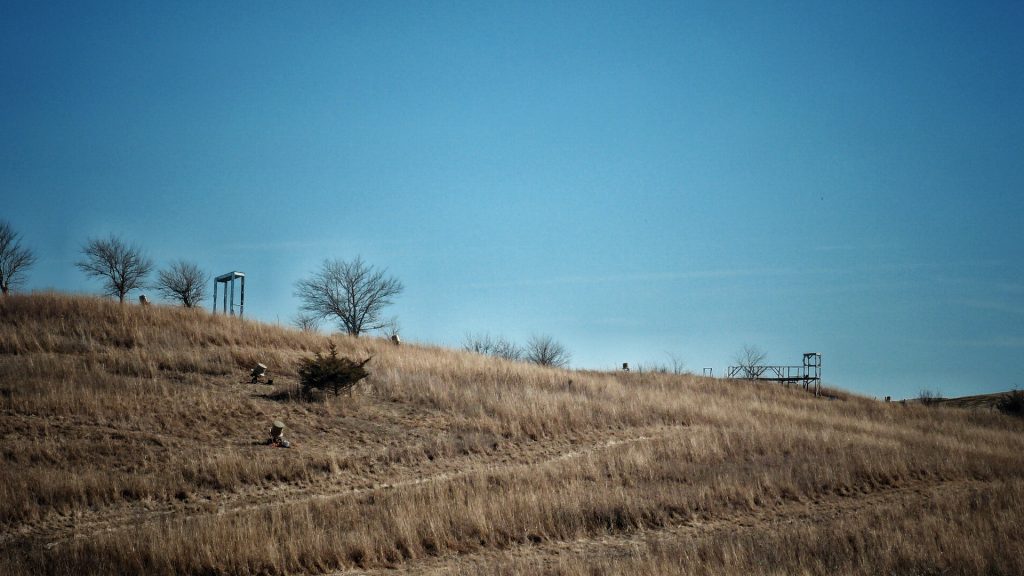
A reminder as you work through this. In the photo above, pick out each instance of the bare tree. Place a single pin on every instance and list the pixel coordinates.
(748, 358)
(121, 267)
(306, 322)
(546, 351)
(15, 259)
(499, 347)
(390, 328)
(183, 282)
(480, 343)
(507, 349)
(929, 397)
(678, 365)
(353, 292)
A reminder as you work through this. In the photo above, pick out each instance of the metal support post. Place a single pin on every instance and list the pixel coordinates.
(228, 302)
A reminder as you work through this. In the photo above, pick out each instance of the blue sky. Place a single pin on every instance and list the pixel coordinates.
(632, 178)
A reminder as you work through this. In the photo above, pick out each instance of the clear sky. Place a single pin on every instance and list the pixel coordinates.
(632, 178)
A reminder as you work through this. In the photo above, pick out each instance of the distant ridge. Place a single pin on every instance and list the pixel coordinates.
(977, 402)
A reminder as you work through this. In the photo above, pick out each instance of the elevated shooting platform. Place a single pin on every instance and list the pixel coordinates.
(229, 286)
(809, 374)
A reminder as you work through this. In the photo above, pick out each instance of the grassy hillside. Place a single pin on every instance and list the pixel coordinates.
(131, 445)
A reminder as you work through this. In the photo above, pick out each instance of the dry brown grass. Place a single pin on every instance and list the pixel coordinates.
(131, 446)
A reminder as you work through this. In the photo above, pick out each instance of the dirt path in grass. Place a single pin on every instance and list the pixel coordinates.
(823, 510)
(56, 529)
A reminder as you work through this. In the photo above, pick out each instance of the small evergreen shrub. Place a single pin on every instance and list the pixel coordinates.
(331, 372)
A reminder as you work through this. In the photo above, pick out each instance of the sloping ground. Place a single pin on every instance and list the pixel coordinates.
(131, 445)
(978, 402)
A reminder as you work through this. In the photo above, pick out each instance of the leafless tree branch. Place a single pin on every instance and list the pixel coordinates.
(306, 322)
(15, 259)
(183, 282)
(121, 267)
(748, 358)
(546, 351)
(499, 347)
(353, 292)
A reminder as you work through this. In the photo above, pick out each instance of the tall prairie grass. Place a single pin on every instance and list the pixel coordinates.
(132, 445)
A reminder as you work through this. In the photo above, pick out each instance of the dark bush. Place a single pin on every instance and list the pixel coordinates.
(929, 397)
(1012, 403)
(331, 372)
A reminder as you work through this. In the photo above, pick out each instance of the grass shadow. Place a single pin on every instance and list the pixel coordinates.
(292, 393)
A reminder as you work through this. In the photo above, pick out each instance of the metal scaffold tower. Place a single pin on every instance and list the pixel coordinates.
(812, 371)
(809, 374)
(225, 279)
